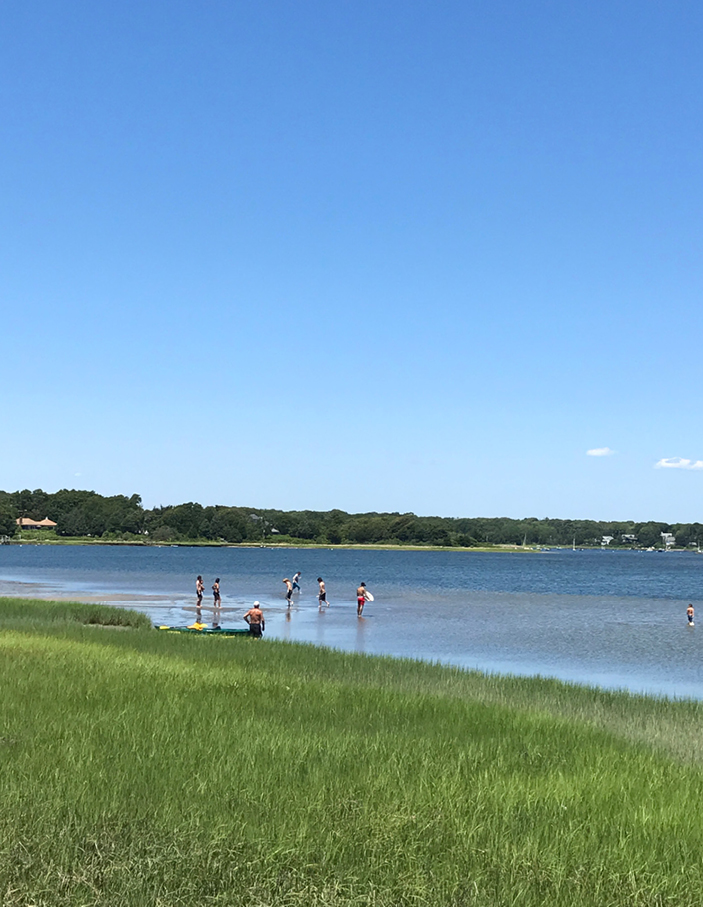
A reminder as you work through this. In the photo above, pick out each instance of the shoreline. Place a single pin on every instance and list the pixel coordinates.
(281, 545)
(124, 604)
(301, 545)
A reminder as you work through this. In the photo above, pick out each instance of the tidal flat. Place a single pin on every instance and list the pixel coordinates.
(613, 619)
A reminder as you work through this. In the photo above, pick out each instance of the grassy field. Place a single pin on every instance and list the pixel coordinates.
(143, 768)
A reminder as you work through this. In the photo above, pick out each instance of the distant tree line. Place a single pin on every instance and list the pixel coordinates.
(81, 514)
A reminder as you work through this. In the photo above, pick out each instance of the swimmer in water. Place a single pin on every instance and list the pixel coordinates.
(689, 614)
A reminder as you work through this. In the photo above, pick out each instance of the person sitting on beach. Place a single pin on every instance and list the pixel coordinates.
(296, 577)
(255, 618)
(216, 593)
(689, 614)
(289, 588)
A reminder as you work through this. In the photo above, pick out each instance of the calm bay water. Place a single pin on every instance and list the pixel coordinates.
(607, 618)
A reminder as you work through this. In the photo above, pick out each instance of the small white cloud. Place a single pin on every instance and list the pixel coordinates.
(678, 463)
(600, 452)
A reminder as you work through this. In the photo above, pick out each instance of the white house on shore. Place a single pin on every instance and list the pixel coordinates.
(669, 539)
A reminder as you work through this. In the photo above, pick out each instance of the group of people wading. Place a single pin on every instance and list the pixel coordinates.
(362, 595)
(255, 616)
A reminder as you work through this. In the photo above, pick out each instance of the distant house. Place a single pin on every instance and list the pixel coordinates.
(628, 539)
(669, 539)
(606, 540)
(25, 523)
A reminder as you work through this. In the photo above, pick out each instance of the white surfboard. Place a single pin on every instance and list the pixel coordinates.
(369, 597)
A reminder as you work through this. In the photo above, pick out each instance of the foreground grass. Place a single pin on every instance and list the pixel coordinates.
(141, 768)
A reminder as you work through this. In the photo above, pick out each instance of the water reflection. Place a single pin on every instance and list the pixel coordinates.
(360, 638)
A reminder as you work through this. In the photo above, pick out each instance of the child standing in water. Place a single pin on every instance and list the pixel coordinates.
(289, 588)
(216, 593)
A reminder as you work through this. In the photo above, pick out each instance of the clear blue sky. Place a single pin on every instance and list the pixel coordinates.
(370, 255)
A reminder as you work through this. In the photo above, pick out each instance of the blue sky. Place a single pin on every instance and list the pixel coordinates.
(367, 255)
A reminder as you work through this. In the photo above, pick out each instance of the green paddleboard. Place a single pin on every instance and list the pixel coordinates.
(206, 631)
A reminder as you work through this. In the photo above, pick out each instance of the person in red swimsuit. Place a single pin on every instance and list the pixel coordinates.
(360, 599)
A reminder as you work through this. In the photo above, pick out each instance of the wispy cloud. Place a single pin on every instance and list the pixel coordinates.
(678, 463)
(600, 452)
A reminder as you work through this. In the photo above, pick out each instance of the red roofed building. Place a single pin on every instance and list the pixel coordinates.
(25, 523)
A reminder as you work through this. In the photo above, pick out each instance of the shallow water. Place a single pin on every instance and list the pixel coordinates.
(607, 618)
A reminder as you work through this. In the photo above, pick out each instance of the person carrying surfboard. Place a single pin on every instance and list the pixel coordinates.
(362, 596)
(255, 618)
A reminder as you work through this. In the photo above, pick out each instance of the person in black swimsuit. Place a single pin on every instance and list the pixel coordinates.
(216, 593)
(255, 618)
(322, 594)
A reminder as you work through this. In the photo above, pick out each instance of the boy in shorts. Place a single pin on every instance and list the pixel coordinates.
(322, 594)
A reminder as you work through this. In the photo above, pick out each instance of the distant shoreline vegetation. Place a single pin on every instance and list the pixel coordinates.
(88, 516)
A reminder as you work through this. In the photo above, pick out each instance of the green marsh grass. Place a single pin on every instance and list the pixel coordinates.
(21, 612)
(144, 768)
